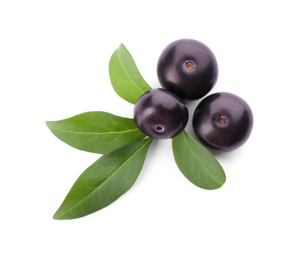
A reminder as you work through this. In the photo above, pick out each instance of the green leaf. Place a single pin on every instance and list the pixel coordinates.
(104, 181)
(125, 76)
(97, 132)
(197, 164)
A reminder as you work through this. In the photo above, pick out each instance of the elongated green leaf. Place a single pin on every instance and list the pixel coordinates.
(197, 164)
(104, 181)
(125, 76)
(97, 132)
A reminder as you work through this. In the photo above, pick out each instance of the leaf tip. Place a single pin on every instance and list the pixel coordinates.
(56, 216)
(122, 48)
(122, 45)
(48, 123)
(59, 215)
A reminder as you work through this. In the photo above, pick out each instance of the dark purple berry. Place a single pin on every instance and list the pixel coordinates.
(160, 114)
(223, 121)
(188, 68)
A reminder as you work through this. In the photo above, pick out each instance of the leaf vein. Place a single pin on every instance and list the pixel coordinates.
(95, 133)
(127, 74)
(120, 78)
(205, 170)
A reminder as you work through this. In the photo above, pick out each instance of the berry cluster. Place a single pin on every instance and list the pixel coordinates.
(187, 70)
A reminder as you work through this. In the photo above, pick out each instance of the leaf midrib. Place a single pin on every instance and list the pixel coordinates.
(118, 77)
(81, 201)
(94, 133)
(127, 74)
(199, 160)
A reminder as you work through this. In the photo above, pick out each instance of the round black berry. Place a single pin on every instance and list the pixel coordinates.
(160, 114)
(188, 68)
(223, 121)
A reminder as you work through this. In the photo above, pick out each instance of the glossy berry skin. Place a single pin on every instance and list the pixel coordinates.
(188, 68)
(223, 121)
(160, 114)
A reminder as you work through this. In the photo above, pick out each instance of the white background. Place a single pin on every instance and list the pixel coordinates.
(54, 59)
